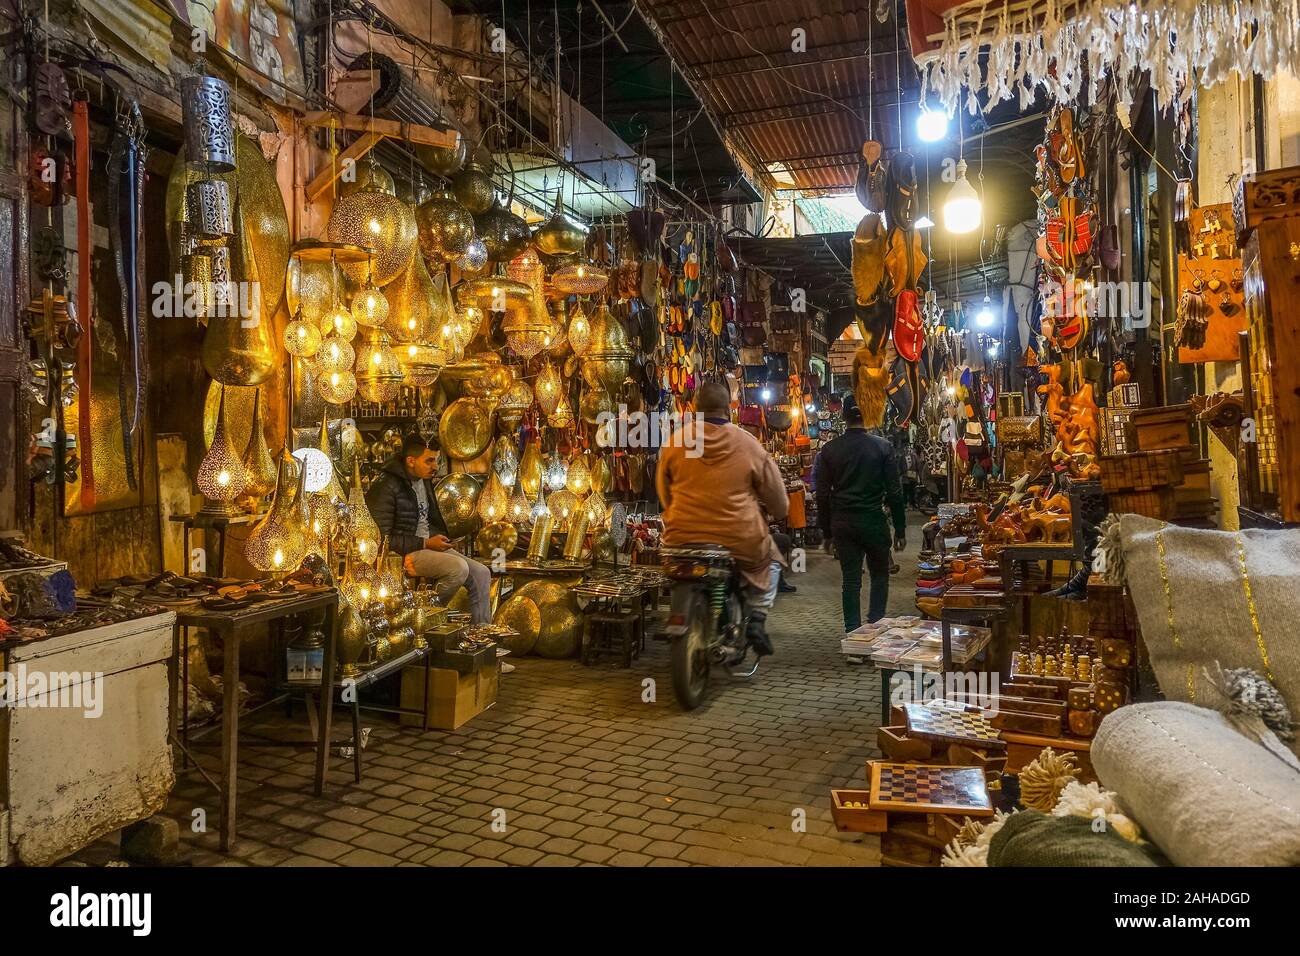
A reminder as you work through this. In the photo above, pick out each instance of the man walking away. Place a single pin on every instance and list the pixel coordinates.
(857, 476)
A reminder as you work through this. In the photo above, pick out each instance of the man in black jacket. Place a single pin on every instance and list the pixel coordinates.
(402, 502)
(855, 475)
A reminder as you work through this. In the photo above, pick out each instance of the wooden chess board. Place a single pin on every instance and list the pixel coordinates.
(917, 788)
(952, 725)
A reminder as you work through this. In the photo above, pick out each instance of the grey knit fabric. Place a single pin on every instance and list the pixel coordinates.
(1202, 792)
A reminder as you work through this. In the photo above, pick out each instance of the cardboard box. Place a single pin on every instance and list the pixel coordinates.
(454, 698)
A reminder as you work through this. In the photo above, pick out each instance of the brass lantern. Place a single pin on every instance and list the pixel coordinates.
(579, 331)
(513, 405)
(301, 338)
(492, 500)
(492, 381)
(418, 304)
(378, 370)
(518, 507)
(259, 466)
(362, 531)
(473, 184)
(377, 219)
(595, 402)
(527, 330)
(421, 363)
(280, 541)
(505, 462)
(578, 480)
(475, 259)
(560, 235)
(445, 227)
(579, 278)
(504, 234)
(500, 535)
(238, 346)
(527, 268)
(335, 354)
(595, 508)
(370, 307)
(564, 504)
(337, 387)
(549, 389)
(532, 471)
(493, 294)
(609, 358)
(221, 477)
(562, 417)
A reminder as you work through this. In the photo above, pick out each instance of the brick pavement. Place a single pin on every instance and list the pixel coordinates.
(583, 772)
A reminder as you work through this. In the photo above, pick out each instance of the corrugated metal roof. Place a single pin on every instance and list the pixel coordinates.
(808, 109)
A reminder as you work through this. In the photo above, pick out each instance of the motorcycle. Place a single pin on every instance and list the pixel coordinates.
(706, 619)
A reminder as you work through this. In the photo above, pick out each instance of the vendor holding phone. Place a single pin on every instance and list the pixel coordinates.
(403, 505)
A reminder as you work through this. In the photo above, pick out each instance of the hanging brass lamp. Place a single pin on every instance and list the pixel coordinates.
(337, 387)
(517, 507)
(492, 500)
(280, 541)
(377, 219)
(378, 370)
(528, 330)
(608, 360)
(457, 497)
(560, 235)
(579, 331)
(504, 234)
(445, 227)
(301, 338)
(532, 470)
(513, 405)
(334, 490)
(578, 479)
(363, 533)
(221, 476)
(474, 262)
(473, 185)
(259, 466)
(492, 294)
(238, 345)
(527, 268)
(579, 277)
(549, 389)
(421, 363)
(415, 306)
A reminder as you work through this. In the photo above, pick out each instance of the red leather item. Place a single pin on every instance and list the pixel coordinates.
(909, 333)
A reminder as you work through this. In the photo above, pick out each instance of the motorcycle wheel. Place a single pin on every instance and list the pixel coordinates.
(690, 657)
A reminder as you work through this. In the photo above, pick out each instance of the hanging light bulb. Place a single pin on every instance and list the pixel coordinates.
(505, 462)
(370, 307)
(984, 317)
(578, 479)
(301, 337)
(931, 125)
(557, 473)
(221, 477)
(548, 389)
(335, 354)
(962, 210)
(579, 331)
(337, 388)
(492, 501)
(518, 508)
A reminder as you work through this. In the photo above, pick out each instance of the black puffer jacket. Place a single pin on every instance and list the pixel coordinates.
(393, 505)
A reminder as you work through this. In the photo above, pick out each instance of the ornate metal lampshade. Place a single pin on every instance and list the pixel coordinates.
(493, 294)
(446, 228)
(370, 307)
(549, 389)
(579, 278)
(301, 338)
(378, 369)
(475, 258)
(259, 466)
(381, 221)
(492, 500)
(527, 330)
(457, 496)
(363, 533)
(335, 354)
(557, 473)
(609, 357)
(518, 508)
(209, 126)
(532, 471)
(338, 387)
(562, 417)
(578, 479)
(504, 234)
(595, 508)
(560, 235)
(527, 268)
(221, 477)
(281, 540)
(421, 363)
(564, 505)
(579, 331)
(505, 462)
(465, 428)
(514, 405)
(418, 304)
(499, 536)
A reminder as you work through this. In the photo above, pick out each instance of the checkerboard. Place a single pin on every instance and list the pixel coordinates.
(917, 788)
(951, 724)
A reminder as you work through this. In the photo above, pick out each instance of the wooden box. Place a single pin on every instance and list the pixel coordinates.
(454, 698)
(856, 819)
(1157, 503)
(1169, 426)
(1141, 471)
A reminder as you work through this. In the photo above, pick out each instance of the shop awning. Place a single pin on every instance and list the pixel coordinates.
(998, 50)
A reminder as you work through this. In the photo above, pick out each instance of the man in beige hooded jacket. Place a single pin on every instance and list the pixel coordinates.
(714, 482)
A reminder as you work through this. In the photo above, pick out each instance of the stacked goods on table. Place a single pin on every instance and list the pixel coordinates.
(1165, 476)
(909, 641)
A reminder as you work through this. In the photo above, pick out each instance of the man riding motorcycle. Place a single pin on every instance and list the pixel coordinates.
(714, 482)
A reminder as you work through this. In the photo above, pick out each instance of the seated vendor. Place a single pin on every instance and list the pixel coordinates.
(403, 505)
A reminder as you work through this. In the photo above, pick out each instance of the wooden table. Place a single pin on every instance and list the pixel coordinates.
(232, 627)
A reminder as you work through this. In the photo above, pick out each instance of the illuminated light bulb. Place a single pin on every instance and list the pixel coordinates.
(517, 508)
(221, 476)
(370, 307)
(962, 211)
(339, 321)
(925, 222)
(931, 125)
(557, 473)
(335, 354)
(984, 318)
(767, 394)
(492, 501)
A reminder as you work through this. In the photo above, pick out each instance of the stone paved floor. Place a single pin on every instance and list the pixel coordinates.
(586, 773)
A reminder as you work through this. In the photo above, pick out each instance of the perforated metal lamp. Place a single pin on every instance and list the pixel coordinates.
(221, 476)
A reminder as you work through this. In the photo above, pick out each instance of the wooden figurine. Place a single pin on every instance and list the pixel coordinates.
(1036, 665)
(1083, 669)
(1053, 393)
(1050, 667)
(1120, 374)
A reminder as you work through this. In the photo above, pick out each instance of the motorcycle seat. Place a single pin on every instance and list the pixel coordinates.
(703, 551)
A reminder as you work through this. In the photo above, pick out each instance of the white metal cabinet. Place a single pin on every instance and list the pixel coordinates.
(69, 778)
